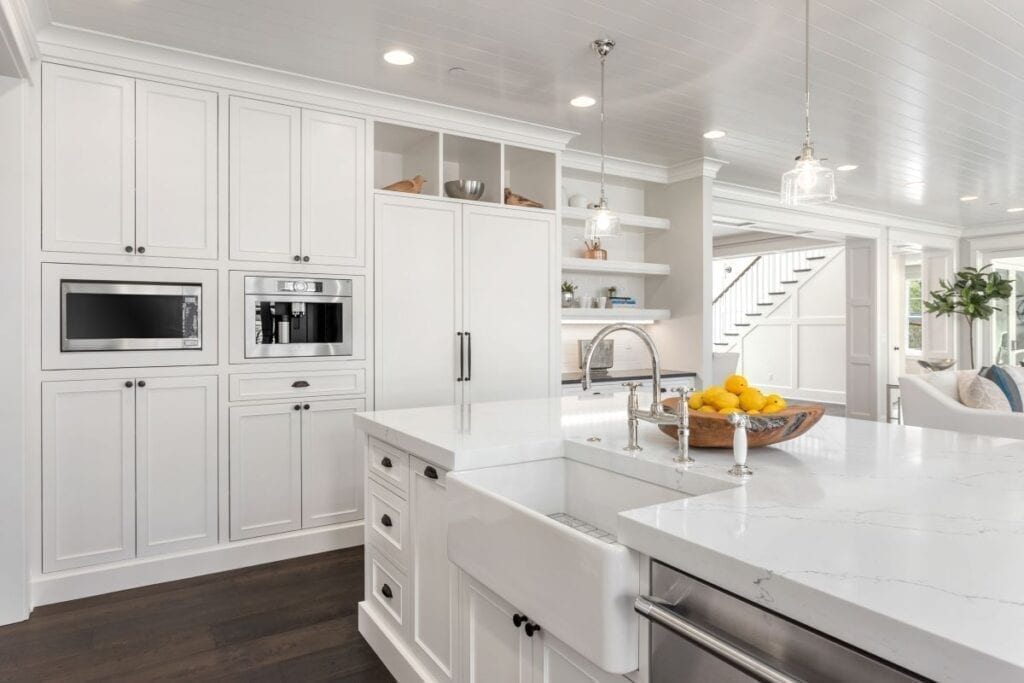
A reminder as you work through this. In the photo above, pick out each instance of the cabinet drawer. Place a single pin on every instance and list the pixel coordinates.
(387, 524)
(389, 464)
(385, 586)
(257, 386)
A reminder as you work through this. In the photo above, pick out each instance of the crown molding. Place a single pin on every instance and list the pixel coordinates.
(19, 49)
(706, 167)
(994, 229)
(614, 166)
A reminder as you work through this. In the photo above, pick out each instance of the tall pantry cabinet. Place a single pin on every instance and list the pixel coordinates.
(465, 302)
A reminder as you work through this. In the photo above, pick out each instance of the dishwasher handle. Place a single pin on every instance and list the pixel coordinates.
(652, 609)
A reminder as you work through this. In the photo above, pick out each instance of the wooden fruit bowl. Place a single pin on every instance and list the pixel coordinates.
(713, 430)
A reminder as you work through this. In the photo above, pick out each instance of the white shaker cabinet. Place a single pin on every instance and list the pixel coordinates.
(176, 171)
(88, 161)
(176, 463)
(88, 472)
(332, 477)
(264, 184)
(494, 650)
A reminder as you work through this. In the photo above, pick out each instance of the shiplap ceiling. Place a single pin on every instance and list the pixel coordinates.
(909, 90)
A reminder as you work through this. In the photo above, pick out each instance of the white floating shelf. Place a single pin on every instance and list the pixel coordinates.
(626, 219)
(607, 315)
(584, 265)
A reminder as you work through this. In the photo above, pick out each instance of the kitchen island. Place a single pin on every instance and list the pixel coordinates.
(905, 543)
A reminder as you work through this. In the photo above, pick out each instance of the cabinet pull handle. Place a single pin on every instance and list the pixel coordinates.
(519, 619)
(462, 356)
(129, 248)
(305, 259)
(142, 382)
(385, 590)
(305, 406)
(429, 472)
(385, 462)
(531, 628)
(300, 384)
(386, 520)
(297, 407)
(129, 384)
(469, 357)
(297, 257)
(141, 250)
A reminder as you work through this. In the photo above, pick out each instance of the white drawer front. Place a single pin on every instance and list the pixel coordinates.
(389, 465)
(386, 587)
(258, 386)
(387, 524)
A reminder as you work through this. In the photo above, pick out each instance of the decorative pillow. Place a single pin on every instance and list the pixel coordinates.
(1017, 374)
(1006, 384)
(946, 382)
(981, 392)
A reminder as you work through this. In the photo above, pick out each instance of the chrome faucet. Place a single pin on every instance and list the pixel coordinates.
(656, 414)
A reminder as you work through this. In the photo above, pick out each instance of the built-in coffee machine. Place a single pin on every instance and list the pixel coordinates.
(287, 317)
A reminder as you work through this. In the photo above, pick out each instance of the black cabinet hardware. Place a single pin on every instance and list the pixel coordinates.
(519, 619)
(469, 356)
(300, 384)
(429, 472)
(142, 382)
(129, 384)
(462, 357)
(305, 259)
(297, 407)
(297, 257)
(305, 406)
(386, 520)
(385, 590)
(129, 249)
(531, 628)
(385, 462)
(141, 250)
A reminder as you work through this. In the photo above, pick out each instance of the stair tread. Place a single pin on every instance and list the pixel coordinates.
(765, 303)
(741, 324)
(788, 282)
(731, 334)
(721, 343)
(802, 270)
(752, 315)
(813, 258)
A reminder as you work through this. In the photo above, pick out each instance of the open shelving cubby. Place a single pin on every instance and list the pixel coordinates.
(473, 159)
(401, 152)
(530, 173)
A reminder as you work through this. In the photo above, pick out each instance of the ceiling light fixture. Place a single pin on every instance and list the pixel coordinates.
(583, 101)
(714, 134)
(809, 182)
(602, 222)
(399, 58)
(847, 167)
(1016, 209)
(968, 197)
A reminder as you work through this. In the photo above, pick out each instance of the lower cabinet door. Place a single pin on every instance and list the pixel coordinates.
(176, 463)
(265, 463)
(556, 662)
(493, 648)
(88, 472)
(332, 467)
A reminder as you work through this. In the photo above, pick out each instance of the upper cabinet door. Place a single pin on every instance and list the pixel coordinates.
(176, 174)
(176, 463)
(333, 189)
(332, 466)
(510, 289)
(88, 472)
(264, 181)
(88, 163)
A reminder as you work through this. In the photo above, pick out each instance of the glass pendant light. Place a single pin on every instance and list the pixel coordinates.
(809, 182)
(602, 222)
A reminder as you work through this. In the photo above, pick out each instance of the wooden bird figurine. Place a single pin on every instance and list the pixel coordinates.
(413, 186)
(513, 199)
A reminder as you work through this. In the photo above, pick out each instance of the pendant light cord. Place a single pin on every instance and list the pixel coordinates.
(603, 199)
(807, 72)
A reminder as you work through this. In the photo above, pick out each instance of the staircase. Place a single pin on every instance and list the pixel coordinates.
(766, 282)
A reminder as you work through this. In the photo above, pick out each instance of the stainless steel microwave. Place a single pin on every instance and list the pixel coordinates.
(130, 316)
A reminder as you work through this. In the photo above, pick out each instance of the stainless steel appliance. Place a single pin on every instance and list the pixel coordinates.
(287, 317)
(702, 634)
(130, 316)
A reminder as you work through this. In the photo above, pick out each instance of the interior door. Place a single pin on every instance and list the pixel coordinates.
(265, 469)
(510, 295)
(88, 162)
(88, 472)
(418, 276)
(176, 171)
(493, 650)
(176, 455)
(333, 194)
(332, 469)
(264, 181)
(862, 379)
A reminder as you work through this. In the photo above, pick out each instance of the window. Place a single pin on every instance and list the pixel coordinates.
(912, 280)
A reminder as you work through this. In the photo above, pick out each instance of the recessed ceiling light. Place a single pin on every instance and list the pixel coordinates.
(399, 58)
(847, 167)
(714, 134)
(582, 101)
(1016, 209)
(968, 197)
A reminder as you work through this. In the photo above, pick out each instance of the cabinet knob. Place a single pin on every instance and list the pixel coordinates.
(129, 384)
(141, 250)
(142, 382)
(297, 407)
(305, 406)
(385, 462)
(519, 619)
(429, 472)
(386, 520)
(297, 257)
(300, 384)
(129, 248)
(385, 590)
(531, 628)
(305, 259)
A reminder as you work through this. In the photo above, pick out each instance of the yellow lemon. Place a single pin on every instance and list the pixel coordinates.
(776, 400)
(735, 384)
(724, 400)
(772, 408)
(707, 409)
(711, 391)
(752, 399)
(696, 400)
(753, 412)
(728, 411)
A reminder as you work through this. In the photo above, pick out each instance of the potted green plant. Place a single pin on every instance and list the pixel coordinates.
(970, 294)
(568, 293)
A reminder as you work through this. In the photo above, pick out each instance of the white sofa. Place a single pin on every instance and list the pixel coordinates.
(931, 400)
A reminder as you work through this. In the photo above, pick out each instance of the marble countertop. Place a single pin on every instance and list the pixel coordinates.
(905, 542)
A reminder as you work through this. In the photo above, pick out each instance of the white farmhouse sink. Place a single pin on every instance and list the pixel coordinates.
(509, 528)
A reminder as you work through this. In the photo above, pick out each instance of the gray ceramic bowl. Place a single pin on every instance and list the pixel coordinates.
(464, 189)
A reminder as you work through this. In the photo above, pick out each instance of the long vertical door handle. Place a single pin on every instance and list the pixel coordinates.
(462, 356)
(469, 357)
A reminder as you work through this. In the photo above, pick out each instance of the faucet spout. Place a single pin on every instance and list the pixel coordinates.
(656, 408)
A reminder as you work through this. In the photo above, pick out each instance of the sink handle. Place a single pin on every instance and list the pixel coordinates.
(531, 628)
(519, 619)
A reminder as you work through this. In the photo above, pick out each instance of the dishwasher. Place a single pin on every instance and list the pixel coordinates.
(702, 634)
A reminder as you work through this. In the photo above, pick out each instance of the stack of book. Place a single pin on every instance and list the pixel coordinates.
(623, 302)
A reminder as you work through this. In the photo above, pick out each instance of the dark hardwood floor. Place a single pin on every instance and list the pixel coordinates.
(287, 621)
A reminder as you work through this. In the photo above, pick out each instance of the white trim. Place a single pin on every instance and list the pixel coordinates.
(589, 162)
(707, 167)
(390, 646)
(18, 36)
(107, 578)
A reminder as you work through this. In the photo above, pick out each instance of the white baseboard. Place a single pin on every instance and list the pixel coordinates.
(390, 648)
(107, 578)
